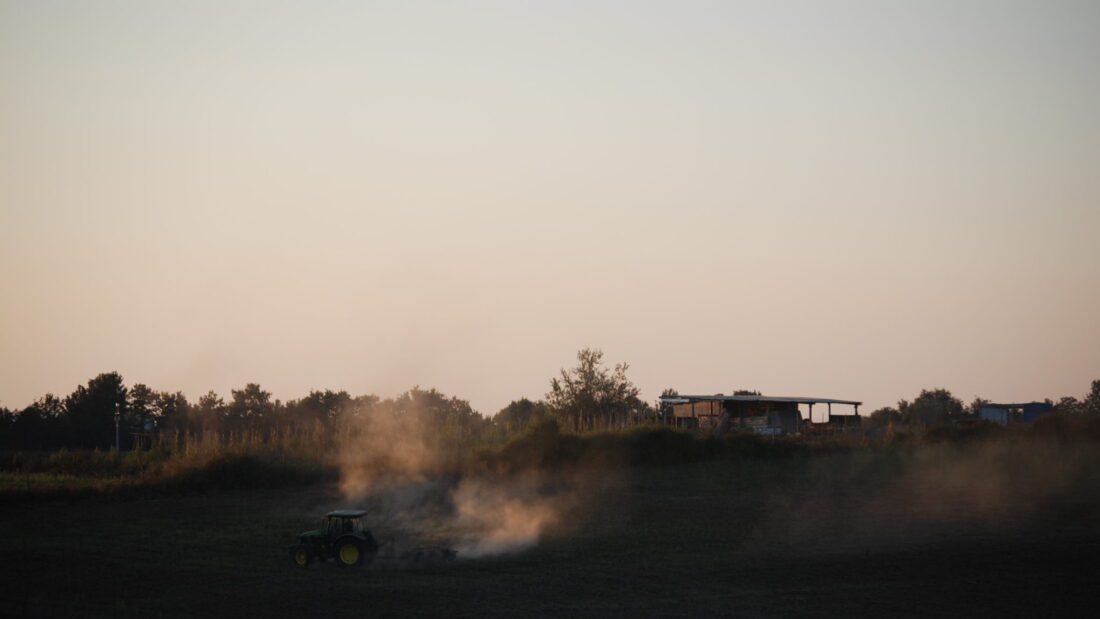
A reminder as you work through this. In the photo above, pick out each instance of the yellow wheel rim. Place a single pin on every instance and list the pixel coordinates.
(349, 553)
(300, 557)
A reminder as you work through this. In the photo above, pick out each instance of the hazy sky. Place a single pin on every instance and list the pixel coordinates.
(840, 199)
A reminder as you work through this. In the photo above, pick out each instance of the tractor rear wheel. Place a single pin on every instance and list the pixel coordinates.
(349, 552)
(301, 556)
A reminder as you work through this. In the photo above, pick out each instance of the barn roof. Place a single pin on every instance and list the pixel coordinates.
(684, 399)
(1041, 406)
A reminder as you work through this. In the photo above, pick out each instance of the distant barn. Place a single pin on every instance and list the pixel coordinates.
(755, 413)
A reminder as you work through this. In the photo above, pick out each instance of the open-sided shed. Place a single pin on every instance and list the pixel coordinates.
(758, 413)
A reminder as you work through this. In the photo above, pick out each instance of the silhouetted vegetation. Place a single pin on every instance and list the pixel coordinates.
(545, 447)
(519, 414)
(592, 415)
(591, 396)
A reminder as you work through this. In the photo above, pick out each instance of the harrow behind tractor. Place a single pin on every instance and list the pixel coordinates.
(344, 539)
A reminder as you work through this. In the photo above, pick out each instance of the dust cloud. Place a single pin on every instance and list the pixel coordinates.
(507, 517)
(423, 487)
(384, 448)
(938, 494)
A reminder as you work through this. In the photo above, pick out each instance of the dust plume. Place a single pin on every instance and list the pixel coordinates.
(937, 494)
(415, 474)
(505, 517)
(384, 445)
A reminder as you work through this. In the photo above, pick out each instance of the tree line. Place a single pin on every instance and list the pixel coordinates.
(938, 407)
(86, 419)
(589, 396)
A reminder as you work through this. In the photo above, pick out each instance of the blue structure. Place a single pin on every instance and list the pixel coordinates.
(1015, 413)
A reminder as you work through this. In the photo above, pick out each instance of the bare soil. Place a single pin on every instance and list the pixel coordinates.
(832, 536)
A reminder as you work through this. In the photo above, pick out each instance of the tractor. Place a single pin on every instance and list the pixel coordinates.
(342, 537)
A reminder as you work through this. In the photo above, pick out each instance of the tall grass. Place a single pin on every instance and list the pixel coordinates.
(175, 462)
(201, 461)
(545, 446)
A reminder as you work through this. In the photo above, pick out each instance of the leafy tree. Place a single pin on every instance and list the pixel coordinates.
(172, 410)
(319, 407)
(142, 407)
(886, 416)
(1091, 405)
(7, 420)
(975, 407)
(90, 412)
(746, 392)
(590, 395)
(41, 425)
(931, 407)
(519, 414)
(441, 421)
(359, 409)
(663, 409)
(208, 415)
(1068, 405)
(251, 407)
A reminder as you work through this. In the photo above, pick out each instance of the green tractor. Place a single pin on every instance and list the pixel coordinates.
(342, 537)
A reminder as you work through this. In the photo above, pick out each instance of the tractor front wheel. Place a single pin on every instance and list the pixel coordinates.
(349, 552)
(301, 556)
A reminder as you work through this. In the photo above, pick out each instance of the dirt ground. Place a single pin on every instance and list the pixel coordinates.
(827, 537)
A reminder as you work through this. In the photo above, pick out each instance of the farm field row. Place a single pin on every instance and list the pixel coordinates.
(824, 536)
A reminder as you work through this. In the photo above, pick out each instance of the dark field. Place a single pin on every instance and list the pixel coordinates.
(939, 531)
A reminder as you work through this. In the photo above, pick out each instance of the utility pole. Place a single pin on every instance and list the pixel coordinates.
(118, 448)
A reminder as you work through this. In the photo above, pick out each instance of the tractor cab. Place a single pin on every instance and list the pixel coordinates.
(343, 522)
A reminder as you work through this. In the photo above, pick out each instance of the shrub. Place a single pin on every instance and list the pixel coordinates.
(1065, 428)
(240, 471)
(964, 433)
(544, 446)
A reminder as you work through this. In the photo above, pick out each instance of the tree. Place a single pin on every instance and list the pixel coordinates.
(142, 407)
(1091, 405)
(172, 410)
(359, 409)
(7, 420)
(664, 410)
(1068, 405)
(41, 425)
(251, 407)
(428, 417)
(885, 416)
(519, 414)
(449, 417)
(319, 407)
(590, 395)
(975, 407)
(90, 412)
(932, 407)
(209, 413)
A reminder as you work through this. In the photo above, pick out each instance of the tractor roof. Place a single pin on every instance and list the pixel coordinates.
(346, 513)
